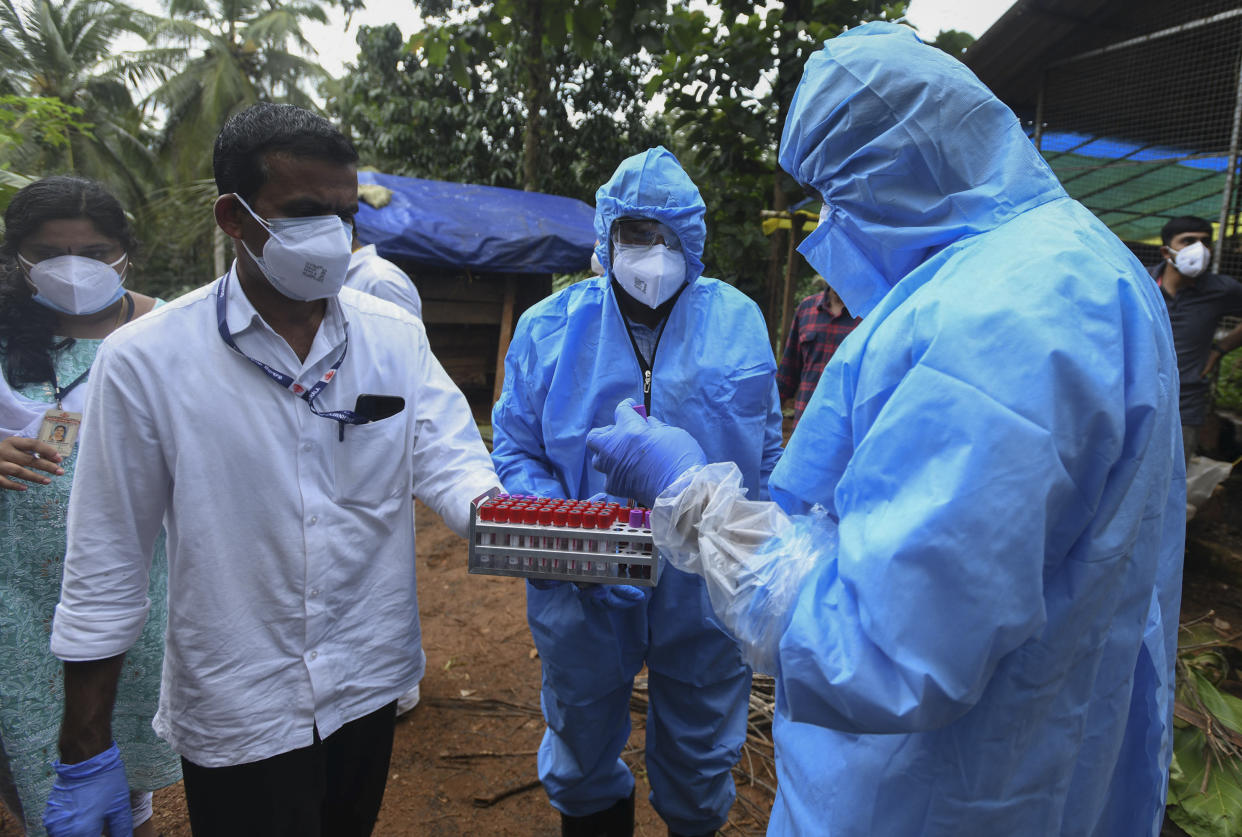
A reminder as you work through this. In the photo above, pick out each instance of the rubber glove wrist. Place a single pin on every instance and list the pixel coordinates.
(89, 797)
(93, 766)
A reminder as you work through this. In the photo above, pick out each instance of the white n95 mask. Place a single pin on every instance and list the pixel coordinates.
(304, 258)
(76, 284)
(1192, 259)
(650, 274)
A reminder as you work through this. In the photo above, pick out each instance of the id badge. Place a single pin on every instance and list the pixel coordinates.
(60, 430)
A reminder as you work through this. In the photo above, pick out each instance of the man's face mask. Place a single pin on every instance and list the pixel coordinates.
(647, 261)
(304, 258)
(76, 284)
(1191, 260)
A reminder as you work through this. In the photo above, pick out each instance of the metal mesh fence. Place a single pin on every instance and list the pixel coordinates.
(1147, 128)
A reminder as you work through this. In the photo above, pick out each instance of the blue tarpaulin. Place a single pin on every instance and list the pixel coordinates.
(484, 228)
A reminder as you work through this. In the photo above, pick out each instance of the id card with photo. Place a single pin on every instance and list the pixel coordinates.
(60, 430)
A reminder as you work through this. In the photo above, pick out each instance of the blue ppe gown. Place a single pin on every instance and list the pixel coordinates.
(571, 360)
(990, 649)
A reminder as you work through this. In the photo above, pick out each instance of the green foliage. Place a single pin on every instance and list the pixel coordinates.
(728, 81)
(454, 102)
(1205, 778)
(39, 119)
(953, 42)
(233, 53)
(1229, 383)
(64, 52)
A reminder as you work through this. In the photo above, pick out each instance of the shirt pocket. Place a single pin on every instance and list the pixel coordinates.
(372, 463)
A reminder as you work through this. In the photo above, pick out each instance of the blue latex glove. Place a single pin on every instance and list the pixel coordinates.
(89, 796)
(613, 596)
(641, 457)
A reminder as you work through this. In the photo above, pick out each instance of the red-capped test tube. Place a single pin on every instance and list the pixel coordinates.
(574, 519)
(530, 517)
(603, 521)
(486, 514)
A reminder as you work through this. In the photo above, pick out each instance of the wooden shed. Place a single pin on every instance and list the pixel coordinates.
(479, 256)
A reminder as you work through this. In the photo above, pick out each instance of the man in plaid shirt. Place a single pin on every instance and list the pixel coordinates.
(819, 325)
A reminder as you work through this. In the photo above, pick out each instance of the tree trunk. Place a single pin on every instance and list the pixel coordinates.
(536, 85)
(788, 72)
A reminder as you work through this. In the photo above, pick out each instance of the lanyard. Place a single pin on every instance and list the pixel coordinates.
(59, 394)
(342, 417)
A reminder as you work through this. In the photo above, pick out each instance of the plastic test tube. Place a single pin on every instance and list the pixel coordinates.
(603, 520)
(560, 518)
(486, 514)
(530, 517)
(575, 544)
(515, 517)
(635, 521)
(501, 516)
(549, 543)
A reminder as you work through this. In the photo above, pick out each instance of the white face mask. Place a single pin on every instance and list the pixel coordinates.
(1192, 259)
(304, 258)
(650, 274)
(76, 284)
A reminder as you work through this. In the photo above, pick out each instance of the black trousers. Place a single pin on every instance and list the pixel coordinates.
(333, 788)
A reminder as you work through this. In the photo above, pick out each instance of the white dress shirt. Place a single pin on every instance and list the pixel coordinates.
(373, 274)
(291, 554)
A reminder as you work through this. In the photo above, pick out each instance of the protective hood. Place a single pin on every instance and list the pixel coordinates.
(904, 169)
(653, 185)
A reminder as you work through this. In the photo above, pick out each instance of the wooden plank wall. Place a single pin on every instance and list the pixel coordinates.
(462, 312)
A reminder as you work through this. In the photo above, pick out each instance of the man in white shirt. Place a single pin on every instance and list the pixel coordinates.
(260, 419)
(373, 274)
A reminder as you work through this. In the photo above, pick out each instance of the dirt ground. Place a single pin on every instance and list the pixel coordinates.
(464, 760)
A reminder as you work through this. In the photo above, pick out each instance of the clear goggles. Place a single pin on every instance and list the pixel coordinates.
(643, 232)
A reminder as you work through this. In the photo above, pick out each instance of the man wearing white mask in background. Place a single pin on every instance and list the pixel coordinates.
(1196, 301)
(694, 352)
(278, 425)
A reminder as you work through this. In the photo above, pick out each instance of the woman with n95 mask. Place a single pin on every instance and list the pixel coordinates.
(66, 254)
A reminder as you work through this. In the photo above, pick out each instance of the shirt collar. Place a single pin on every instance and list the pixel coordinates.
(240, 315)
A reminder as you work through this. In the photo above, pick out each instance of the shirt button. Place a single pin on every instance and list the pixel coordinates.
(314, 519)
(314, 655)
(314, 592)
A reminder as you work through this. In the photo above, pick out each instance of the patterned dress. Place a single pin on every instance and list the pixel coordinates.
(32, 551)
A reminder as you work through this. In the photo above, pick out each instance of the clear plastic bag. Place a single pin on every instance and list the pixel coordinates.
(752, 556)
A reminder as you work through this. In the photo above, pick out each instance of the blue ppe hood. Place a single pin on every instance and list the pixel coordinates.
(989, 647)
(653, 185)
(870, 142)
(483, 228)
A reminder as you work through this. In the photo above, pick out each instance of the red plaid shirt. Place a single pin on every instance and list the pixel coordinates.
(813, 337)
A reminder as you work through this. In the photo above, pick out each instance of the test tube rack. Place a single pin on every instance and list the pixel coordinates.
(532, 537)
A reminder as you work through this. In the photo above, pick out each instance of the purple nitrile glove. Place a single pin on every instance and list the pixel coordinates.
(90, 796)
(642, 457)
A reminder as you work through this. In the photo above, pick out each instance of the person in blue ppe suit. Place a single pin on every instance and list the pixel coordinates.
(695, 352)
(968, 584)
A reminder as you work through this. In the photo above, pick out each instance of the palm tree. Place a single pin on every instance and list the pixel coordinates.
(246, 58)
(64, 51)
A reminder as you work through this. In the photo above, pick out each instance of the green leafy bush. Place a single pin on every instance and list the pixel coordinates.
(1229, 383)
